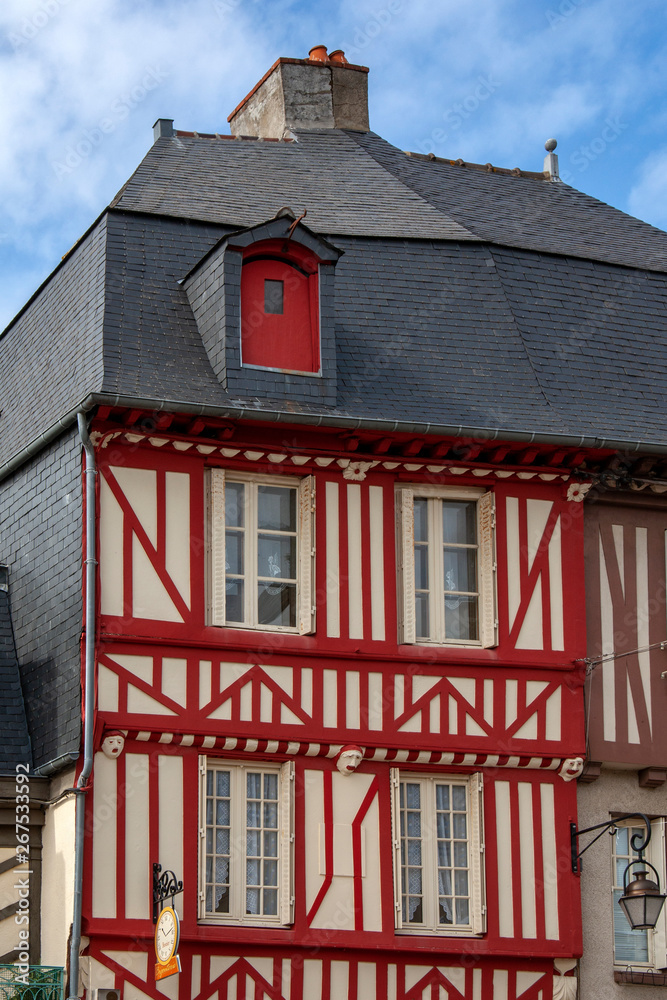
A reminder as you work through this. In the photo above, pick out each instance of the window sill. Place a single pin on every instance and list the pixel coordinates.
(640, 978)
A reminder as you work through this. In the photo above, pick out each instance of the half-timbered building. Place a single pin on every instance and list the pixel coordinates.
(310, 418)
(626, 674)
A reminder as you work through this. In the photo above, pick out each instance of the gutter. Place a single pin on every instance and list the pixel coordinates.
(473, 433)
(54, 766)
(89, 709)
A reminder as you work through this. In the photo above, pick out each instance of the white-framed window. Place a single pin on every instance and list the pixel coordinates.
(438, 849)
(246, 842)
(261, 552)
(446, 566)
(643, 949)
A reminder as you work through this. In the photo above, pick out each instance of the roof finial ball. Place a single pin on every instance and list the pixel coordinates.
(551, 160)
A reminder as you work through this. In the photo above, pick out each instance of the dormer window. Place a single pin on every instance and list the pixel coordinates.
(280, 321)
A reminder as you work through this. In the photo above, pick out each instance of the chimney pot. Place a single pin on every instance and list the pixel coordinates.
(338, 57)
(318, 53)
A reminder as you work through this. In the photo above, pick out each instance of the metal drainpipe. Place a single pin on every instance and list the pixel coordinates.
(89, 708)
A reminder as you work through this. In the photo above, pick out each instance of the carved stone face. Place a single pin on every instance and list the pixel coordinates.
(349, 759)
(571, 768)
(112, 746)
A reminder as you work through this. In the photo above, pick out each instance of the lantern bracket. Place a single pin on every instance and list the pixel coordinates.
(638, 842)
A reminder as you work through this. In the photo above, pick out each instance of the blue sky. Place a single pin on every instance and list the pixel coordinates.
(486, 80)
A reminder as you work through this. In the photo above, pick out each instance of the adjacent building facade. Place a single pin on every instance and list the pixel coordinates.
(334, 632)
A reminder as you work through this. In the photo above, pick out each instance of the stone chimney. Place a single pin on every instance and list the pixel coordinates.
(322, 91)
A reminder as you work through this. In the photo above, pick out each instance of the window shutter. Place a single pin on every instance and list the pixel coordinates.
(406, 566)
(217, 558)
(486, 521)
(306, 536)
(656, 851)
(477, 893)
(287, 842)
(201, 888)
(394, 777)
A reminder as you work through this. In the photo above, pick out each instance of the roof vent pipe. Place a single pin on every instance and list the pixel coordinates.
(551, 160)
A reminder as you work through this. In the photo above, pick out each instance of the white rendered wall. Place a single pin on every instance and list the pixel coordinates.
(57, 872)
(613, 791)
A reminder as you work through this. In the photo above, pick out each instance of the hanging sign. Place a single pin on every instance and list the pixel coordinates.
(167, 935)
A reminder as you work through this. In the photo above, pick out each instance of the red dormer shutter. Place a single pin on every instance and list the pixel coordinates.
(279, 315)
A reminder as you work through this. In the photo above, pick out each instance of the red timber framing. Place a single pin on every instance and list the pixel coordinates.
(183, 690)
(625, 567)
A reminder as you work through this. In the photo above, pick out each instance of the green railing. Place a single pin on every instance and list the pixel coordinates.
(43, 982)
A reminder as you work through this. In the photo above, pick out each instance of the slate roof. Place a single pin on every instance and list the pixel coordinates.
(244, 182)
(356, 183)
(454, 333)
(463, 297)
(14, 739)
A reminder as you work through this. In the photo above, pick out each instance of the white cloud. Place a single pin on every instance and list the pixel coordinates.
(648, 196)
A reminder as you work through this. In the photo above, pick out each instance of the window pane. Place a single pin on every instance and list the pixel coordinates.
(421, 567)
(234, 552)
(461, 618)
(270, 844)
(461, 883)
(622, 842)
(222, 812)
(459, 521)
(270, 902)
(412, 799)
(422, 628)
(276, 557)
(221, 782)
(459, 798)
(421, 520)
(233, 600)
(460, 826)
(460, 569)
(442, 796)
(460, 855)
(234, 504)
(254, 786)
(462, 912)
(271, 786)
(273, 296)
(276, 508)
(276, 604)
(270, 873)
(445, 910)
(443, 825)
(254, 814)
(629, 945)
(253, 843)
(271, 814)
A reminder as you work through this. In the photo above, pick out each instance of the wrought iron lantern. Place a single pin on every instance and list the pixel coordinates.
(642, 900)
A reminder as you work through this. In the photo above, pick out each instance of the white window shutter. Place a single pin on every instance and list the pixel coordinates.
(477, 893)
(217, 540)
(394, 777)
(406, 566)
(287, 842)
(306, 537)
(656, 856)
(486, 520)
(201, 889)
